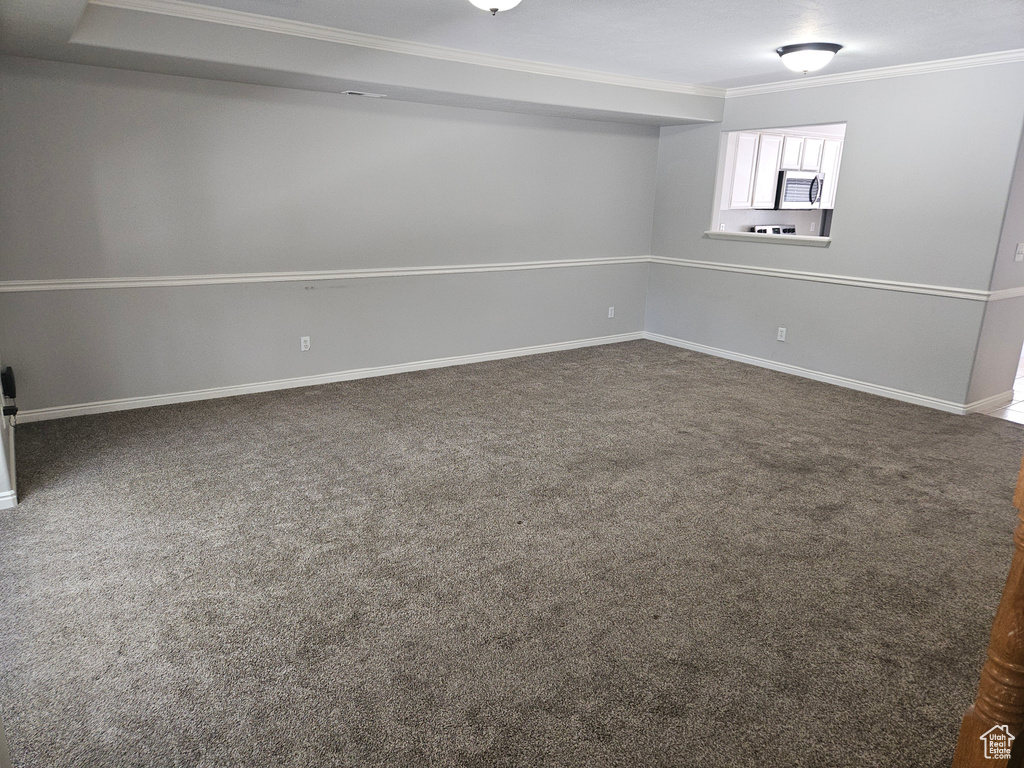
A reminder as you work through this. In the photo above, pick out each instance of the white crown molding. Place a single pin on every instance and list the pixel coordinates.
(961, 409)
(227, 17)
(242, 19)
(818, 277)
(171, 281)
(174, 281)
(881, 73)
(128, 403)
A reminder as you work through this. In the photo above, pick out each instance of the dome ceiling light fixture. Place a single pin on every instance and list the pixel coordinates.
(495, 5)
(806, 57)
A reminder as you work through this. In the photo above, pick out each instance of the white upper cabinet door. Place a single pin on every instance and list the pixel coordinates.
(743, 171)
(831, 157)
(791, 148)
(810, 158)
(766, 179)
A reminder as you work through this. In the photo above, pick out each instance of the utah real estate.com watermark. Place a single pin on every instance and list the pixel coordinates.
(998, 741)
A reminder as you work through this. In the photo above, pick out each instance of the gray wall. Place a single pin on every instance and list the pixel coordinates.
(1008, 273)
(95, 345)
(927, 166)
(105, 173)
(834, 329)
(111, 173)
(1002, 332)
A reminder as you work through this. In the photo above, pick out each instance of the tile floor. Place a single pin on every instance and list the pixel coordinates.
(1015, 410)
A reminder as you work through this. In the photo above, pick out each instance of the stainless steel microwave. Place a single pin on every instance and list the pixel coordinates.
(799, 189)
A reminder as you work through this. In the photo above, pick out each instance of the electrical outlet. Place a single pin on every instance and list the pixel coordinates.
(1019, 253)
(721, 227)
(304, 344)
(781, 335)
(812, 227)
(611, 312)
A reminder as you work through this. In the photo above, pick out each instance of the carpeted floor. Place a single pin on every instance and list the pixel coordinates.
(629, 555)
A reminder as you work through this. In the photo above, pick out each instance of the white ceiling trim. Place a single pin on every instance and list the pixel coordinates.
(195, 12)
(901, 70)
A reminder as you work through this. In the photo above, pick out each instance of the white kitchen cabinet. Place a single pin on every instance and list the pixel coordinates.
(755, 159)
(810, 155)
(831, 157)
(751, 166)
(766, 176)
(792, 146)
(744, 168)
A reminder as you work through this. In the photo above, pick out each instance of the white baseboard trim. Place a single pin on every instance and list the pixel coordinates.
(990, 403)
(8, 500)
(828, 378)
(124, 404)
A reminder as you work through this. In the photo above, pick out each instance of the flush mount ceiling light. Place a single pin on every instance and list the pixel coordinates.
(807, 57)
(495, 5)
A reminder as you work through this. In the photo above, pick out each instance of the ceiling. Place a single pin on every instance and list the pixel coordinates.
(721, 43)
(447, 50)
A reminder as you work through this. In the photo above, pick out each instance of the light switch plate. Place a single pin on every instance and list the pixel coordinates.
(1019, 253)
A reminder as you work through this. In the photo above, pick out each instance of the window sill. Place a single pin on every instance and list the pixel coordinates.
(753, 237)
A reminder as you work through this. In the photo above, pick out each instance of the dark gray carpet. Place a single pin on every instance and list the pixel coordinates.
(620, 556)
